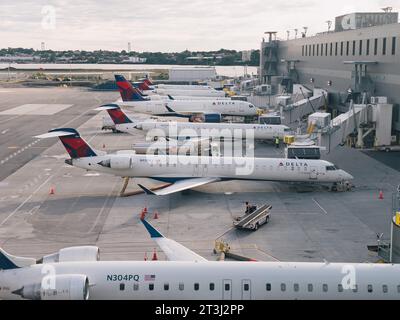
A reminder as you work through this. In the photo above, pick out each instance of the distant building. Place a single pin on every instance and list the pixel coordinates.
(19, 58)
(134, 60)
(191, 74)
(246, 55)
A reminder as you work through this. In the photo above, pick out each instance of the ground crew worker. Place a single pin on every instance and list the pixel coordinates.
(277, 142)
(247, 207)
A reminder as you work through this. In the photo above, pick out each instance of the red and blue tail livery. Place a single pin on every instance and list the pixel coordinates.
(72, 141)
(127, 91)
(116, 114)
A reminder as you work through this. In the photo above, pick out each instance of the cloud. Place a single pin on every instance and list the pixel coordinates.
(169, 25)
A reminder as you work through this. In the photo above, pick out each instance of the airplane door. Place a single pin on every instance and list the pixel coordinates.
(205, 170)
(313, 173)
(246, 290)
(195, 170)
(227, 289)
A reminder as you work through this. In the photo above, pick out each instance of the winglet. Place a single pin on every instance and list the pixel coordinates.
(146, 190)
(154, 233)
(170, 97)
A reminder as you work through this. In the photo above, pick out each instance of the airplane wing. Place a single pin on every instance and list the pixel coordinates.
(188, 113)
(172, 249)
(180, 186)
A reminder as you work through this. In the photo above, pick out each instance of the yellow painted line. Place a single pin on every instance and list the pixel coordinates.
(13, 147)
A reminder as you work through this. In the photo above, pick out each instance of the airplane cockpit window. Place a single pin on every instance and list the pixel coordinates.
(251, 106)
(331, 168)
(287, 130)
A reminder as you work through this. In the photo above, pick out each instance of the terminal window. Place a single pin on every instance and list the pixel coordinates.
(341, 48)
(393, 45)
(384, 46)
(326, 49)
(331, 50)
(354, 48)
(347, 48)
(376, 47)
(360, 49)
(317, 49)
(336, 49)
(368, 42)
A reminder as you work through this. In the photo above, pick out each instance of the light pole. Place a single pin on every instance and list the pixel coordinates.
(295, 33)
(329, 23)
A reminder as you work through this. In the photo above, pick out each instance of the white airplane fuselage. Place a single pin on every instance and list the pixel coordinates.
(146, 280)
(183, 87)
(162, 166)
(181, 92)
(206, 130)
(223, 107)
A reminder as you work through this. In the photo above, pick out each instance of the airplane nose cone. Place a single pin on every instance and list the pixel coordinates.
(347, 176)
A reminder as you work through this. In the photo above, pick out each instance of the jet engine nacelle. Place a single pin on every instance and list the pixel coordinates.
(121, 162)
(207, 117)
(84, 253)
(117, 162)
(57, 287)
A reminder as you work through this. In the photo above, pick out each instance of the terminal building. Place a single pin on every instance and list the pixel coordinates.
(360, 59)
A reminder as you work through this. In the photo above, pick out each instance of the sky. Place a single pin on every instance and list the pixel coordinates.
(165, 25)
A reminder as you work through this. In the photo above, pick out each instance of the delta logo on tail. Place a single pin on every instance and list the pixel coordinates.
(127, 91)
(116, 114)
(74, 144)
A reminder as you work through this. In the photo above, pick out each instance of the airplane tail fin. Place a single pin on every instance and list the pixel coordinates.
(148, 81)
(127, 91)
(72, 141)
(8, 262)
(116, 114)
(144, 86)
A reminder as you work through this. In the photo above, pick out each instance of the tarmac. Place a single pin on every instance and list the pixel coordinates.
(307, 223)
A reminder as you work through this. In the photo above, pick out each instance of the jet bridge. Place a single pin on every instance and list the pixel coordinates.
(298, 110)
(359, 122)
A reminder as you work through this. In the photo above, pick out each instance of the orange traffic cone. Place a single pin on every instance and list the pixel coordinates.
(155, 258)
(381, 195)
(145, 256)
(142, 215)
(145, 209)
(52, 190)
(155, 215)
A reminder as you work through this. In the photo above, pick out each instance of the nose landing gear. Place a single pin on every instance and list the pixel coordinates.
(341, 186)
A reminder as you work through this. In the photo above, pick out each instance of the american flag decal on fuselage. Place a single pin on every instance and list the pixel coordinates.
(150, 277)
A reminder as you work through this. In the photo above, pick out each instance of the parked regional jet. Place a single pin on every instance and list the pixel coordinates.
(149, 85)
(187, 172)
(76, 273)
(198, 129)
(210, 110)
(165, 90)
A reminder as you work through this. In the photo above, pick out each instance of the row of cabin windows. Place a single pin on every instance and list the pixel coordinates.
(246, 287)
(349, 48)
(310, 288)
(181, 286)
